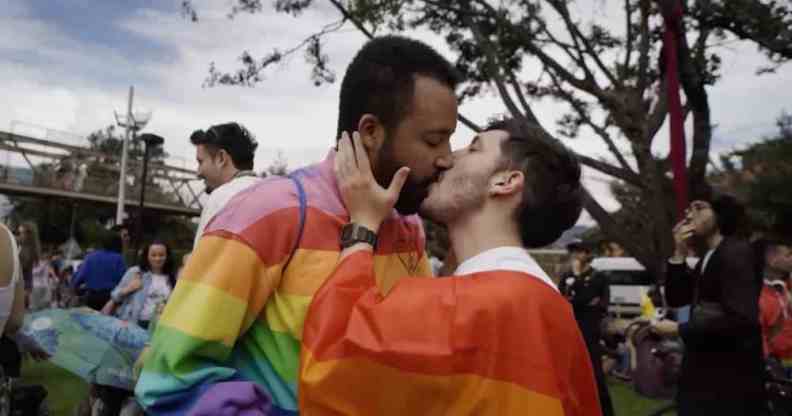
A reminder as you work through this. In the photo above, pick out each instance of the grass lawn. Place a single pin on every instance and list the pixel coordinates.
(628, 403)
(67, 390)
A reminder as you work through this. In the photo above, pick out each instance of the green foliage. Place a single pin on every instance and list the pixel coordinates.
(763, 179)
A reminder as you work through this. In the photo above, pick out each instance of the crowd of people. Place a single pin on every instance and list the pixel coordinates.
(309, 293)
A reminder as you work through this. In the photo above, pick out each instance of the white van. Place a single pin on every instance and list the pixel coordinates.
(628, 280)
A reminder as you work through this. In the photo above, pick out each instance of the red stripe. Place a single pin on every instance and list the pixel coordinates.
(273, 236)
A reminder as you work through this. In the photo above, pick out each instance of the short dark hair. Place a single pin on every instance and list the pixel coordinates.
(111, 241)
(234, 138)
(553, 196)
(381, 80)
(729, 214)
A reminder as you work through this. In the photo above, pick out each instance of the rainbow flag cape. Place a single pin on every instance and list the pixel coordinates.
(493, 343)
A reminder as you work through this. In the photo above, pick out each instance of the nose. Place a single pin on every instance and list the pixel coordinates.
(445, 162)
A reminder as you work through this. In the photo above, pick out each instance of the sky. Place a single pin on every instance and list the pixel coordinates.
(66, 65)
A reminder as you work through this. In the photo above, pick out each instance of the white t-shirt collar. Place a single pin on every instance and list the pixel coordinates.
(504, 258)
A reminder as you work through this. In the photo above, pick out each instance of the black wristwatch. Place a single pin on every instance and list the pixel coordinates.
(352, 234)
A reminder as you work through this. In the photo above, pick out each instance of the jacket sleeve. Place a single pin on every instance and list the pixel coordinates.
(116, 294)
(220, 293)
(737, 315)
(678, 285)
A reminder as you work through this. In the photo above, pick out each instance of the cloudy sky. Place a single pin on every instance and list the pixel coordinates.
(67, 64)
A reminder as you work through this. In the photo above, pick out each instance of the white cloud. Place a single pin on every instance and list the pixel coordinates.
(81, 83)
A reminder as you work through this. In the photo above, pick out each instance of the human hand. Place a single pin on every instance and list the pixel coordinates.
(666, 328)
(683, 232)
(367, 202)
(108, 308)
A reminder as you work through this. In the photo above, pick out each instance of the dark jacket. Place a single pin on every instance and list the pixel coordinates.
(723, 344)
(582, 291)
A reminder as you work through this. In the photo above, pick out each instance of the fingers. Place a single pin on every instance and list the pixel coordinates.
(342, 161)
(397, 183)
(361, 157)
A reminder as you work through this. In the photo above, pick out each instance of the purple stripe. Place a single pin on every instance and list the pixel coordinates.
(242, 398)
(276, 193)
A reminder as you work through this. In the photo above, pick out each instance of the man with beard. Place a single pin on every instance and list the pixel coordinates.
(496, 339)
(225, 154)
(228, 341)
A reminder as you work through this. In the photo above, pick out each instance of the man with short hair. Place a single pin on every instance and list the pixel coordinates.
(722, 371)
(225, 154)
(497, 338)
(228, 341)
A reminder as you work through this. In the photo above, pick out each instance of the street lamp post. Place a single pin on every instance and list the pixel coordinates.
(132, 122)
(150, 140)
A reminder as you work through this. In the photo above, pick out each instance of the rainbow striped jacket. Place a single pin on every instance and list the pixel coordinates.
(494, 343)
(229, 339)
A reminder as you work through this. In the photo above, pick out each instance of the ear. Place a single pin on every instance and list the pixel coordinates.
(223, 158)
(372, 133)
(506, 183)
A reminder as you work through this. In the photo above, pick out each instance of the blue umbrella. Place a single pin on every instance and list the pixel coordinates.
(100, 349)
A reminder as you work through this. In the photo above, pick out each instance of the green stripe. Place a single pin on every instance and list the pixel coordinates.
(280, 349)
(174, 351)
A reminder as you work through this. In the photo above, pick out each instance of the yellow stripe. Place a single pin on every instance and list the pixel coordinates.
(286, 313)
(358, 386)
(205, 312)
(232, 267)
(309, 269)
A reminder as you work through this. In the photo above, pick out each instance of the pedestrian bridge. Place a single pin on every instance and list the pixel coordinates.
(45, 163)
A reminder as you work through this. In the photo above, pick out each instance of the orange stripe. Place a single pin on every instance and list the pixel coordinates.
(500, 325)
(216, 258)
(361, 387)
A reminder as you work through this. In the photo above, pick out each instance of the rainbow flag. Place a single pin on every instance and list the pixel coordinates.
(493, 343)
(228, 341)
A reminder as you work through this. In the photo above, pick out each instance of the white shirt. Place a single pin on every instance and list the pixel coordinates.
(158, 292)
(219, 198)
(514, 259)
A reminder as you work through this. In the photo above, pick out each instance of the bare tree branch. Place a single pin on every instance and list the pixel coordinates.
(599, 130)
(471, 125)
(348, 16)
(529, 114)
(645, 46)
(563, 10)
(630, 34)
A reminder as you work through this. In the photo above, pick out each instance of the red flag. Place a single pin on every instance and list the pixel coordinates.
(676, 117)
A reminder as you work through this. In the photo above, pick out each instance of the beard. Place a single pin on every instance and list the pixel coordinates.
(453, 197)
(414, 191)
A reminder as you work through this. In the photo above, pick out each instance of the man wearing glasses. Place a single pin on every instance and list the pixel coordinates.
(225, 163)
(722, 368)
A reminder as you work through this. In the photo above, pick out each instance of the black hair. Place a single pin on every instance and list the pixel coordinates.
(234, 138)
(167, 268)
(553, 196)
(111, 241)
(381, 80)
(729, 214)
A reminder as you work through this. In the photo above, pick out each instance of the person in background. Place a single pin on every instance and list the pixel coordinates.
(29, 254)
(100, 272)
(774, 303)
(225, 154)
(144, 287)
(589, 293)
(723, 367)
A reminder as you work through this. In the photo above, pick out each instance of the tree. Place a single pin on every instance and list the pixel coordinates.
(760, 174)
(611, 81)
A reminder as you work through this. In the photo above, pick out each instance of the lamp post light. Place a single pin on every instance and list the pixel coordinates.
(132, 123)
(150, 140)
